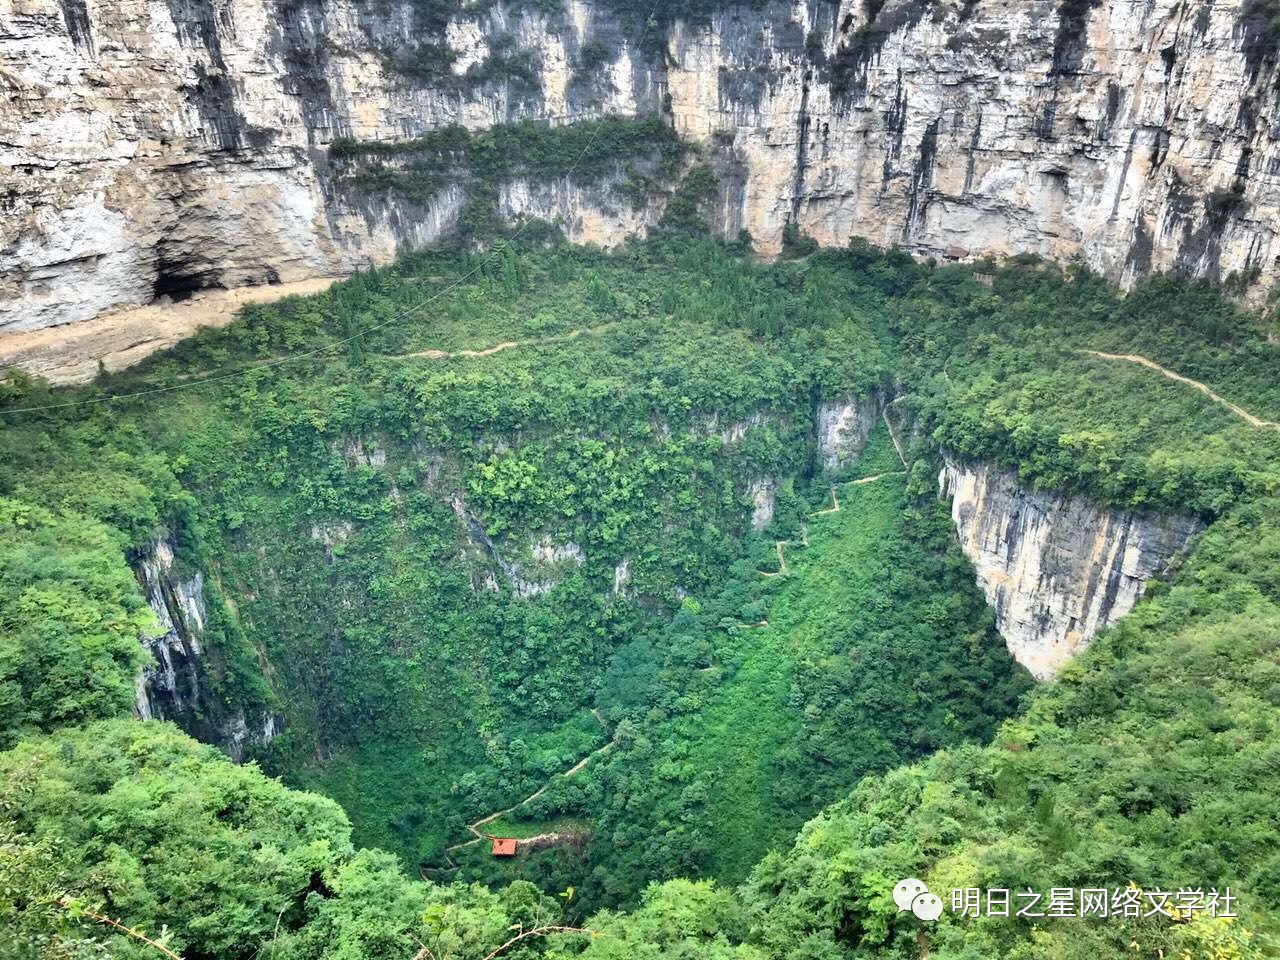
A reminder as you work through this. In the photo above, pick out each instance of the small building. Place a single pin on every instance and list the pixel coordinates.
(504, 846)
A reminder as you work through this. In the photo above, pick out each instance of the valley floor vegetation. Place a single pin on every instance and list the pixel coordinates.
(492, 520)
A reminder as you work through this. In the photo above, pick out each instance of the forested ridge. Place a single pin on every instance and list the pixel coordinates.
(433, 567)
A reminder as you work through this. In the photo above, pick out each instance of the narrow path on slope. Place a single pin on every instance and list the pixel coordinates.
(835, 504)
(884, 414)
(499, 347)
(804, 530)
(466, 352)
(873, 478)
(1152, 365)
(475, 826)
(782, 561)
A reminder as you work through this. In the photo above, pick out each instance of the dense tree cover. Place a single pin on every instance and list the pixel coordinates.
(1002, 374)
(733, 720)
(71, 620)
(210, 860)
(418, 684)
(1151, 762)
(350, 509)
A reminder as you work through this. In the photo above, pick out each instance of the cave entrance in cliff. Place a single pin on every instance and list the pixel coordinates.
(179, 280)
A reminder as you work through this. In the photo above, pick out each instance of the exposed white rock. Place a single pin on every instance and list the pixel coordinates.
(735, 431)
(172, 682)
(171, 688)
(331, 533)
(547, 551)
(764, 498)
(235, 734)
(1055, 568)
(586, 214)
(844, 427)
(549, 563)
(359, 453)
(621, 577)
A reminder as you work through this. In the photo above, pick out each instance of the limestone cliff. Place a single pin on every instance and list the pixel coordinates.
(1055, 568)
(176, 686)
(157, 147)
(844, 426)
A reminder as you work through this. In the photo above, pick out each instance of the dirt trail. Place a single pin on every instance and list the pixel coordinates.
(576, 768)
(874, 478)
(1152, 365)
(893, 436)
(804, 529)
(782, 561)
(70, 353)
(445, 354)
(499, 347)
(835, 504)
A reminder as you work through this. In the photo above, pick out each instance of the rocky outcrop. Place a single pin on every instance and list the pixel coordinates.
(158, 147)
(175, 686)
(1055, 568)
(540, 567)
(844, 426)
(172, 684)
(763, 493)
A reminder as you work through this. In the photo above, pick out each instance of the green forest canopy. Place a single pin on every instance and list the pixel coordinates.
(1151, 762)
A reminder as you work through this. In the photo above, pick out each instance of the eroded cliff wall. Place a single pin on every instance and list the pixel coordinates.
(181, 683)
(156, 147)
(1055, 568)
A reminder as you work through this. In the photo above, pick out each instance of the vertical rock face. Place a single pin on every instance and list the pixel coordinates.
(843, 428)
(1055, 568)
(764, 501)
(175, 687)
(172, 685)
(156, 147)
(1135, 134)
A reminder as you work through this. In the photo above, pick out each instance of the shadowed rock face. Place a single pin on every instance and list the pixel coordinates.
(176, 686)
(1055, 568)
(161, 147)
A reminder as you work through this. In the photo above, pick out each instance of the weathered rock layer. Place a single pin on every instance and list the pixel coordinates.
(179, 683)
(156, 147)
(1055, 568)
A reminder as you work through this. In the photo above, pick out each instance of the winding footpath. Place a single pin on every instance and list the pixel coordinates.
(804, 529)
(481, 836)
(1240, 412)
(499, 347)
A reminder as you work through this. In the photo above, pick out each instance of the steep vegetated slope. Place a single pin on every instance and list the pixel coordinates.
(425, 566)
(427, 560)
(732, 722)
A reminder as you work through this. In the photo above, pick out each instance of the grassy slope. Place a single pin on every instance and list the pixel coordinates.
(740, 732)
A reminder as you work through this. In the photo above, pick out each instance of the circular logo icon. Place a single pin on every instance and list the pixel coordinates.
(927, 906)
(906, 891)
